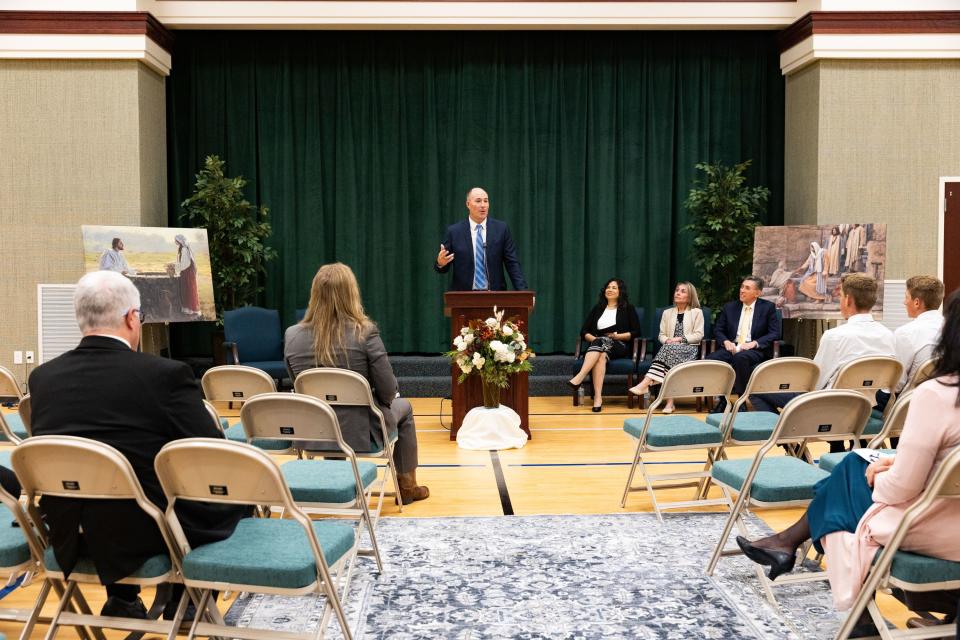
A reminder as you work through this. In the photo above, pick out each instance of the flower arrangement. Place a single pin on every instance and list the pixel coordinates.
(493, 348)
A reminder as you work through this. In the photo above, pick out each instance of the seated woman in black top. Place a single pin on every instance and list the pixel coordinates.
(609, 327)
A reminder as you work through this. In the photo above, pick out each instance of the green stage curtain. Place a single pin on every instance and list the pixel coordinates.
(363, 145)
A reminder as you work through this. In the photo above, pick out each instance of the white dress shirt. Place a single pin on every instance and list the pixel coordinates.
(915, 342)
(860, 336)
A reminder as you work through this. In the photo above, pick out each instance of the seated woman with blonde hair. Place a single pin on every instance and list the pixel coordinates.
(611, 324)
(335, 332)
(857, 509)
(681, 330)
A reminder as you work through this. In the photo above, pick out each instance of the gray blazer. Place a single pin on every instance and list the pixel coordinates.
(368, 357)
(692, 325)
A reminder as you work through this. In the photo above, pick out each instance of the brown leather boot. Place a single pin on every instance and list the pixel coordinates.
(409, 491)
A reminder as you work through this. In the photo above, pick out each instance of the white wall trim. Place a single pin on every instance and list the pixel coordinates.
(86, 47)
(345, 14)
(909, 46)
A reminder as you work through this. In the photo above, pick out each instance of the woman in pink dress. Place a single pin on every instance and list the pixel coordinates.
(857, 509)
(186, 269)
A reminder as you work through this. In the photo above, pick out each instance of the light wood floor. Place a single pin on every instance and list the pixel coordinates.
(577, 463)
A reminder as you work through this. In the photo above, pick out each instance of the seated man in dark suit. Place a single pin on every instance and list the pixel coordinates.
(484, 246)
(745, 332)
(107, 391)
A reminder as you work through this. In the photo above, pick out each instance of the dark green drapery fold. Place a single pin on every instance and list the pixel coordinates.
(363, 144)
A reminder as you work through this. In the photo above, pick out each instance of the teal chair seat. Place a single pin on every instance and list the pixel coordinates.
(15, 423)
(917, 569)
(224, 424)
(779, 479)
(268, 552)
(13, 546)
(674, 431)
(155, 566)
(874, 424)
(237, 434)
(5, 459)
(326, 481)
(829, 461)
(749, 426)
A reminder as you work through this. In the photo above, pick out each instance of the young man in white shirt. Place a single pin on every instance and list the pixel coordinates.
(860, 336)
(915, 340)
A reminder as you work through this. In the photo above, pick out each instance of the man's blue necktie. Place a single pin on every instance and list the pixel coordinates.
(479, 261)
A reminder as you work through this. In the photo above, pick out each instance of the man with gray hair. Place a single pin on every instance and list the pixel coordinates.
(107, 391)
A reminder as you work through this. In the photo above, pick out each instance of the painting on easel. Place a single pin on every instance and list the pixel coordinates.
(169, 266)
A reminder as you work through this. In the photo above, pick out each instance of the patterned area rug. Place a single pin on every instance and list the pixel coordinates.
(608, 576)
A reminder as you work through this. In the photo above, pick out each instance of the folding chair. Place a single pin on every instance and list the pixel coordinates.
(9, 385)
(15, 427)
(329, 487)
(868, 375)
(222, 423)
(238, 383)
(700, 378)
(345, 388)
(921, 374)
(786, 481)
(910, 571)
(293, 556)
(892, 426)
(71, 467)
(781, 375)
(21, 549)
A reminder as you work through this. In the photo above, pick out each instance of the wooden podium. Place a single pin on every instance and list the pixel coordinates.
(463, 306)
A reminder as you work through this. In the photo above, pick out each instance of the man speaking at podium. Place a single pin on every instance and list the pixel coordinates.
(479, 248)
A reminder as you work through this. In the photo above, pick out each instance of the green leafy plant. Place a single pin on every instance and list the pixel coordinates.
(236, 231)
(724, 212)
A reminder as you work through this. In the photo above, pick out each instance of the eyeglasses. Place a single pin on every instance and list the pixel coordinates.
(140, 314)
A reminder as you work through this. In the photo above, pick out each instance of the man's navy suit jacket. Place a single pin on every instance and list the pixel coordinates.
(765, 328)
(500, 251)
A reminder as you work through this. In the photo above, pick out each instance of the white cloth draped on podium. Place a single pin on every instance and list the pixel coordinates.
(486, 429)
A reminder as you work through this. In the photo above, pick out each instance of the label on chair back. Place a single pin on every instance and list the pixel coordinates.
(330, 397)
(238, 394)
(785, 385)
(868, 383)
(218, 490)
(824, 428)
(71, 485)
(286, 431)
(698, 389)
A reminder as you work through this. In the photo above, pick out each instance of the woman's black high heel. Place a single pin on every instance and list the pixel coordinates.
(779, 561)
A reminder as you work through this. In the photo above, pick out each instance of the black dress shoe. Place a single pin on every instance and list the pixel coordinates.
(116, 607)
(597, 409)
(170, 610)
(778, 561)
(865, 630)
(573, 386)
(720, 405)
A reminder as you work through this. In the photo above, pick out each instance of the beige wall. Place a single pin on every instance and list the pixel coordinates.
(81, 142)
(877, 135)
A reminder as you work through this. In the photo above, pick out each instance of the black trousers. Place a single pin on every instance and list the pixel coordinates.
(743, 362)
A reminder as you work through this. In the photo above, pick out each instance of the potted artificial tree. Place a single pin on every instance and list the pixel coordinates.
(724, 212)
(236, 232)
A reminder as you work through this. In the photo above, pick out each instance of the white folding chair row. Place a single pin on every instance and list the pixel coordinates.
(786, 481)
(264, 555)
